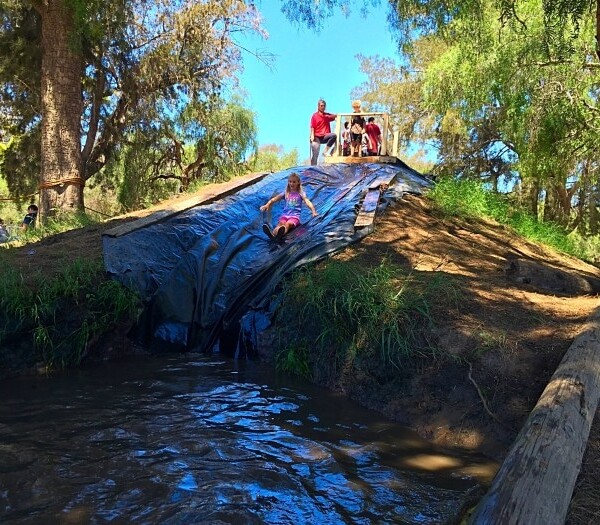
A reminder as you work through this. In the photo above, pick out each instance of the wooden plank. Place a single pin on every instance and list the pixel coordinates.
(339, 159)
(366, 214)
(536, 480)
(205, 195)
(383, 180)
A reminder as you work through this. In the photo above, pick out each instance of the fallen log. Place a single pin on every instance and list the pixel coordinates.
(535, 482)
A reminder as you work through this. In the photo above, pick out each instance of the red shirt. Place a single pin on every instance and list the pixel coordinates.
(320, 123)
(374, 134)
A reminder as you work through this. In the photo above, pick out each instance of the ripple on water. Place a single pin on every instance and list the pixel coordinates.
(189, 439)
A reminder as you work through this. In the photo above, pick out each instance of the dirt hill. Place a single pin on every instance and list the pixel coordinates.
(522, 306)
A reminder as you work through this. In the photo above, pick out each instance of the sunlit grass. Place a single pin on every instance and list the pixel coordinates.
(342, 313)
(470, 198)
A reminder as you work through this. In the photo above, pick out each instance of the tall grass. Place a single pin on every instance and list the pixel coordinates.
(470, 198)
(62, 314)
(340, 313)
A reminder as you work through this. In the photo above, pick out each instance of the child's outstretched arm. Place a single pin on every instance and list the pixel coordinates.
(310, 206)
(271, 201)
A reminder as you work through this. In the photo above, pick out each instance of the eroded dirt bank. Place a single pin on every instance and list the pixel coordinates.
(521, 307)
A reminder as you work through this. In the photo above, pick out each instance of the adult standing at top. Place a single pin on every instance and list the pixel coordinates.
(374, 135)
(320, 132)
(357, 128)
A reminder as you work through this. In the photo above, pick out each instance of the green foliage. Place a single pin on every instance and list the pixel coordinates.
(547, 233)
(483, 87)
(342, 314)
(207, 142)
(62, 314)
(13, 213)
(314, 12)
(294, 360)
(224, 133)
(469, 198)
(588, 246)
(148, 66)
(273, 158)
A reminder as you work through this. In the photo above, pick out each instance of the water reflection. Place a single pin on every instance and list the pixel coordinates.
(188, 439)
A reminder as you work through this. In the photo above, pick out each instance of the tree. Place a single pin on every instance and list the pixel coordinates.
(61, 108)
(272, 157)
(95, 71)
(485, 94)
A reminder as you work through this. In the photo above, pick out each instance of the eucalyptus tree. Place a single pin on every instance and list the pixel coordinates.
(208, 142)
(540, 107)
(78, 76)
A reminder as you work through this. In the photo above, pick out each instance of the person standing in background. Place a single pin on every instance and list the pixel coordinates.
(320, 132)
(346, 139)
(357, 128)
(374, 135)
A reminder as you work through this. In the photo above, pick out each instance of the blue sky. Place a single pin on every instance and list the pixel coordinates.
(308, 66)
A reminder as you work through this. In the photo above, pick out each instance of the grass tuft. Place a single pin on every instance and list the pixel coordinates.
(343, 314)
(62, 314)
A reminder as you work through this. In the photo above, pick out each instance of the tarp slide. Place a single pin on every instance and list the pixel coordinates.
(202, 270)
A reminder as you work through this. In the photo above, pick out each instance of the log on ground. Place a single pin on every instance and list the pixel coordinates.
(536, 480)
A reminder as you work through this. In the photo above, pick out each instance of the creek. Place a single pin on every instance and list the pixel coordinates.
(188, 438)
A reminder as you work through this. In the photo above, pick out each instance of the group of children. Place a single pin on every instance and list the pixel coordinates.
(360, 138)
(28, 223)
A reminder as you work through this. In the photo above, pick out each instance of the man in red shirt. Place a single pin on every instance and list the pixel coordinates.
(374, 136)
(320, 132)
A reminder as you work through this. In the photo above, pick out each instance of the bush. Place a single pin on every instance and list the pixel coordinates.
(61, 315)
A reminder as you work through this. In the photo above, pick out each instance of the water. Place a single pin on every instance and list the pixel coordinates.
(187, 439)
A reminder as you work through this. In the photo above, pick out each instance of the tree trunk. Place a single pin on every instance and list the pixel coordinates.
(594, 204)
(529, 195)
(61, 185)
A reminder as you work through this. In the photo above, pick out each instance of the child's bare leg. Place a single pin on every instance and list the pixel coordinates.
(289, 226)
(283, 228)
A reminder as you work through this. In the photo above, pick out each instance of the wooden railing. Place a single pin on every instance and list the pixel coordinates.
(384, 126)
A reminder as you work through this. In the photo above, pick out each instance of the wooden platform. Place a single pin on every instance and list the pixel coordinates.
(337, 159)
(206, 195)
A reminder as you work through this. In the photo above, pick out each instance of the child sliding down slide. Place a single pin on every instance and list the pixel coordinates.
(293, 196)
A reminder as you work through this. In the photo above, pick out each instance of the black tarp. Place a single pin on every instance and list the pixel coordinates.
(202, 270)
